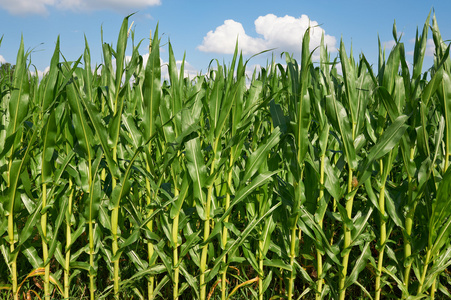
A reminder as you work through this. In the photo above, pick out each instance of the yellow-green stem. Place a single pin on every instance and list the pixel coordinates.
(408, 225)
(260, 265)
(150, 249)
(383, 237)
(115, 247)
(407, 245)
(14, 272)
(423, 274)
(334, 207)
(203, 259)
(292, 258)
(225, 232)
(175, 230)
(293, 246)
(92, 287)
(433, 288)
(114, 225)
(11, 241)
(151, 279)
(347, 239)
(45, 252)
(319, 257)
(68, 242)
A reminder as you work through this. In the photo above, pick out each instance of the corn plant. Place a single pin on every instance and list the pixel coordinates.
(328, 180)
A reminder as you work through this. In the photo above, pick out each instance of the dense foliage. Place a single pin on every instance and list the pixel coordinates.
(316, 180)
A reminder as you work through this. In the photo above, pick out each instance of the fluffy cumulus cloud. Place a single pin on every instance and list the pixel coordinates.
(40, 72)
(2, 60)
(389, 45)
(284, 33)
(23, 7)
(19, 7)
(188, 70)
(430, 47)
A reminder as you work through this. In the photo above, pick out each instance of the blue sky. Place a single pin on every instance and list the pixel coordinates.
(206, 30)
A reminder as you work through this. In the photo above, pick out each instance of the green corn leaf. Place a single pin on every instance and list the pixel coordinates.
(391, 69)
(277, 263)
(359, 265)
(92, 204)
(332, 183)
(32, 256)
(151, 89)
(338, 116)
(439, 229)
(80, 265)
(250, 257)
(129, 241)
(444, 95)
(30, 225)
(233, 245)
(59, 220)
(266, 234)
(260, 155)
(191, 240)
(441, 263)
(301, 96)
(235, 93)
(278, 117)
(197, 169)
(14, 175)
(420, 50)
(215, 98)
(246, 190)
(360, 223)
(440, 46)
(350, 77)
(389, 103)
(101, 132)
(82, 130)
(177, 206)
(120, 53)
(308, 223)
(20, 95)
(389, 139)
(167, 261)
(135, 135)
(50, 83)
(124, 185)
(393, 211)
(432, 86)
(48, 136)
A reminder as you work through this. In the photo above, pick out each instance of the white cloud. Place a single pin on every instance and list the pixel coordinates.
(339, 68)
(2, 60)
(250, 70)
(40, 73)
(188, 71)
(284, 33)
(430, 47)
(24, 7)
(389, 45)
(223, 39)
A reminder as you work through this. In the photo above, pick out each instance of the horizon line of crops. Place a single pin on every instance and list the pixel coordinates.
(303, 181)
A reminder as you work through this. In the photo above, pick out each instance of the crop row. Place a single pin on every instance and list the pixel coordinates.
(317, 180)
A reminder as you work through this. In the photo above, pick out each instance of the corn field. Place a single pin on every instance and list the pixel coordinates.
(324, 179)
